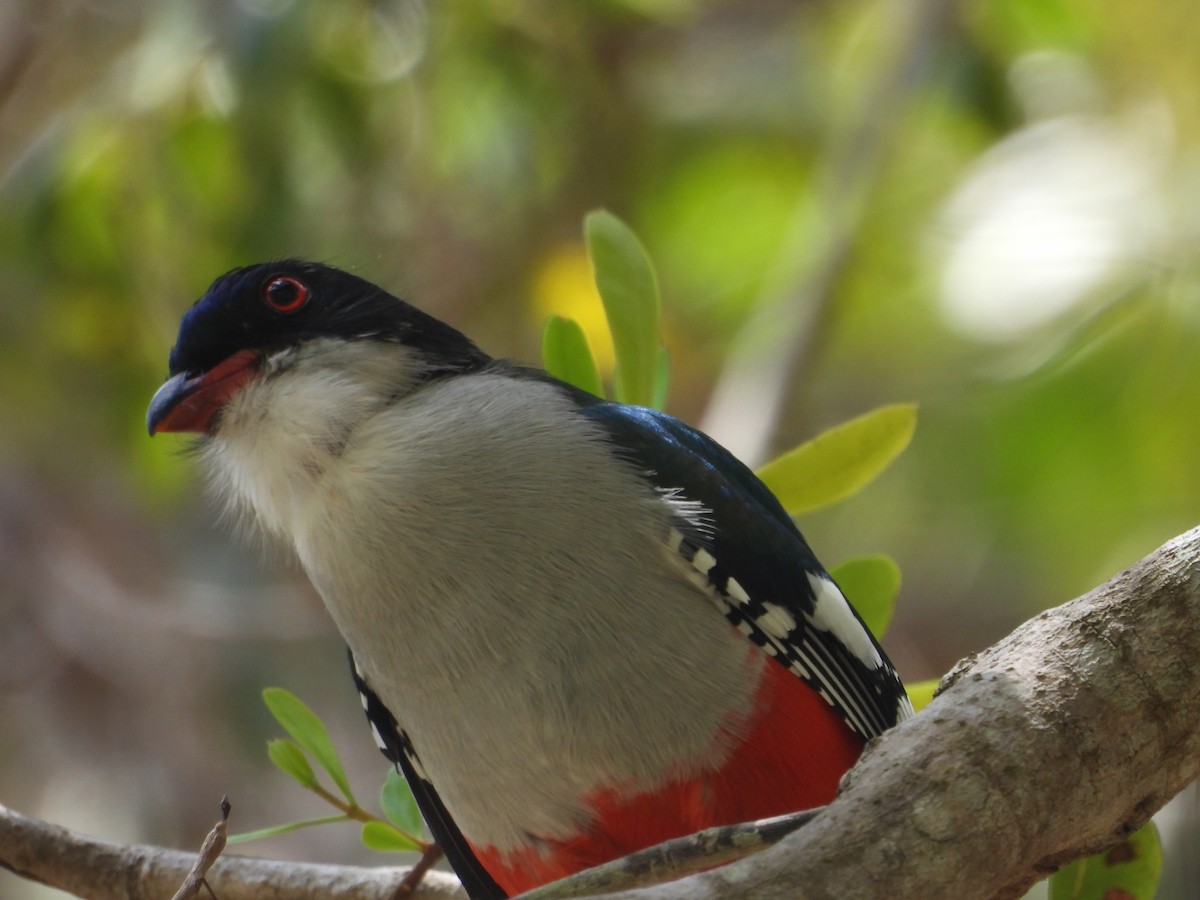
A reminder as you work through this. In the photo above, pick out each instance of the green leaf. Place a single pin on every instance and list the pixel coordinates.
(921, 693)
(261, 833)
(662, 380)
(399, 805)
(841, 461)
(1129, 871)
(290, 760)
(629, 289)
(567, 356)
(385, 838)
(870, 583)
(307, 729)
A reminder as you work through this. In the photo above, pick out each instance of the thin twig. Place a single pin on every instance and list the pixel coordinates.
(359, 814)
(212, 847)
(100, 870)
(410, 882)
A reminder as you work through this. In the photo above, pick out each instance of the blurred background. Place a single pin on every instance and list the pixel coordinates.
(989, 208)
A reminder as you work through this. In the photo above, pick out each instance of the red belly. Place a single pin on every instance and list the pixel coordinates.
(792, 758)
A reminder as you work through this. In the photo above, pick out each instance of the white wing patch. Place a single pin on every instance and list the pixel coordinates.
(379, 741)
(776, 620)
(832, 613)
(703, 561)
(844, 666)
(374, 707)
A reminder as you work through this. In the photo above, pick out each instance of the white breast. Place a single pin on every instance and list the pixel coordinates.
(505, 587)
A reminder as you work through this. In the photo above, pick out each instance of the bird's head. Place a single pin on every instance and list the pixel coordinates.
(265, 320)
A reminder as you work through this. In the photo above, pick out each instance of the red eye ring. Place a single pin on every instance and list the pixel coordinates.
(285, 294)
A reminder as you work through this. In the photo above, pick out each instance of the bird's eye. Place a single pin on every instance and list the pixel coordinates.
(284, 294)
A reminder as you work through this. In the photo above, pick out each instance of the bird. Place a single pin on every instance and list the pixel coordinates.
(578, 628)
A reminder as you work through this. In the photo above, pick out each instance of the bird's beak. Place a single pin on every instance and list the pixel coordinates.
(188, 402)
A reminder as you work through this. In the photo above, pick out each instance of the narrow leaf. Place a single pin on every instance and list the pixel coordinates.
(399, 805)
(1129, 871)
(567, 356)
(307, 729)
(385, 838)
(629, 290)
(921, 692)
(662, 381)
(290, 760)
(261, 833)
(870, 583)
(841, 461)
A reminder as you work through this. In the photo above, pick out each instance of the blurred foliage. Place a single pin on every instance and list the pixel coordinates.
(1128, 871)
(450, 152)
(987, 208)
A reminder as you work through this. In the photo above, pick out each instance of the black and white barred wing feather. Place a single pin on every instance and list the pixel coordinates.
(757, 567)
(398, 747)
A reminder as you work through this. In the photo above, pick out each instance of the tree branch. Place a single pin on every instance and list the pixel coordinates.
(1053, 744)
(99, 870)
